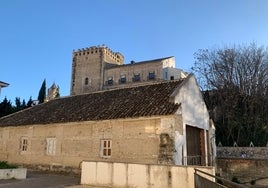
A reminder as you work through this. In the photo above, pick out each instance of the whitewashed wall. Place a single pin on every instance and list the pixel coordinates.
(193, 108)
(194, 113)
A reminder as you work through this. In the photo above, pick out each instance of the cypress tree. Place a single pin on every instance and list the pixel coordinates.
(42, 92)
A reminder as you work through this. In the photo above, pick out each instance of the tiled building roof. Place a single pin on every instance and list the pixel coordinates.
(142, 101)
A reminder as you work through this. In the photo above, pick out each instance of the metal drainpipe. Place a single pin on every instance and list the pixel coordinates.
(205, 136)
(101, 70)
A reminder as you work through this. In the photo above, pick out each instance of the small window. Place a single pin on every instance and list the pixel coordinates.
(110, 81)
(106, 148)
(86, 81)
(123, 79)
(151, 75)
(171, 77)
(24, 144)
(51, 146)
(136, 77)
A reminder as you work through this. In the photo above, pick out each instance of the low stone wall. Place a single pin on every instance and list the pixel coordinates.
(245, 170)
(15, 173)
(111, 174)
(243, 152)
(247, 164)
(53, 168)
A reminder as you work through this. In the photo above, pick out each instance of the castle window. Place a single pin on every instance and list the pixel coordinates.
(86, 81)
(171, 77)
(110, 81)
(136, 77)
(51, 146)
(24, 144)
(123, 79)
(151, 75)
(106, 148)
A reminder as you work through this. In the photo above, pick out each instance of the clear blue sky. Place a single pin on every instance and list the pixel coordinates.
(37, 37)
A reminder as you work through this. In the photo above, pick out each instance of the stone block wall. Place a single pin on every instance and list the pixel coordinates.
(243, 152)
(247, 164)
(88, 63)
(245, 170)
(133, 140)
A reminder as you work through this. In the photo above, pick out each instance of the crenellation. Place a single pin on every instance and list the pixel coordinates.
(116, 56)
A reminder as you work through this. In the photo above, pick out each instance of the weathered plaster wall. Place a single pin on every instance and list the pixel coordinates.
(194, 113)
(129, 71)
(139, 175)
(142, 69)
(133, 140)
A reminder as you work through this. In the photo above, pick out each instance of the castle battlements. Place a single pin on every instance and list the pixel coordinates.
(93, 50)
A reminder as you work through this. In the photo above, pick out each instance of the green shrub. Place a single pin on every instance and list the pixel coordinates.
(235, 179)
(5, 165)
(253, 182)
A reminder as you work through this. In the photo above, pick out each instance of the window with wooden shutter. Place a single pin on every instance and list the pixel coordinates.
(106, 148)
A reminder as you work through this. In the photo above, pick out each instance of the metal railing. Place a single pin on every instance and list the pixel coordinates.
(194, 160)
(203, 180)
(199, 160)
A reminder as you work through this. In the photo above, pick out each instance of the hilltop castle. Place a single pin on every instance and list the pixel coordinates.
(98, 68)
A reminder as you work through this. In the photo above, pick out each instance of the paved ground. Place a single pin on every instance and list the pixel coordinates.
(36, 179)
(41, 179)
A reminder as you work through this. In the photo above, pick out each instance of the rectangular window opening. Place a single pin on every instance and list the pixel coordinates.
(110, 81)
(123, 79)
(136, 77)
(24, 144)
(106, 148)
(51, 146)
(151, 75)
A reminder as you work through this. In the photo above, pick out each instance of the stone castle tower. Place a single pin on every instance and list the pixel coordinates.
(88, 68)
(52, 92)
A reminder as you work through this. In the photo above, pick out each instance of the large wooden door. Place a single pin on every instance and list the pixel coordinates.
(194, 145)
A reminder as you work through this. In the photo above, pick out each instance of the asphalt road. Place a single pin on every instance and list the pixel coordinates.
(37, 179)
